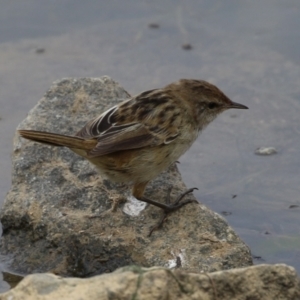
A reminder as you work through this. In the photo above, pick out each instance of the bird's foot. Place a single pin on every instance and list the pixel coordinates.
(170, 207)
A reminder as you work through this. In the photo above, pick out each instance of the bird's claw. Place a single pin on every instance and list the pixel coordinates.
(173, 207)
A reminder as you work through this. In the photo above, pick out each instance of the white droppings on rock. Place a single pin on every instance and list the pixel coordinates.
(171, 263)
(133, 206)
(179, 259)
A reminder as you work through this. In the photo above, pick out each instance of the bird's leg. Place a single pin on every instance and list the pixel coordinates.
(138, 191)
(172, 207)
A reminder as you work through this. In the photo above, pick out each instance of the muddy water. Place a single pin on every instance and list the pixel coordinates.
(249, 49)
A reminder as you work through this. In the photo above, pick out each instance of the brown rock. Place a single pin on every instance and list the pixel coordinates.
(256, 283)
(58, 214)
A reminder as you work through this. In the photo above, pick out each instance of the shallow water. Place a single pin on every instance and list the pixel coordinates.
(249, 49)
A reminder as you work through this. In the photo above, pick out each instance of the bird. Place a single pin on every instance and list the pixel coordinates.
(137, 139)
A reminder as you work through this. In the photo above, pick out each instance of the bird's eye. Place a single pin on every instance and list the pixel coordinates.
(212, 105)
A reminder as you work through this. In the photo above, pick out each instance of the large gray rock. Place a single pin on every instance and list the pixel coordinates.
(262, 282)
(58, 214)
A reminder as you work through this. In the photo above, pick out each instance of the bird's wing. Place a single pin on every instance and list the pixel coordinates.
(149, 119)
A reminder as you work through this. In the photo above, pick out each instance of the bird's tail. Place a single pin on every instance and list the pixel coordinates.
(59, 140)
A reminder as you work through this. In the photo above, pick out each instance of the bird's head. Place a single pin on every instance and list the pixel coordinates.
(204, 100)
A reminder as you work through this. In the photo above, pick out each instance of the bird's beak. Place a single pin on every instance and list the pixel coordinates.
(237, 105)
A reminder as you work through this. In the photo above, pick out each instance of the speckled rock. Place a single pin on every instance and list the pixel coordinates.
(256, 283)
(60, 216)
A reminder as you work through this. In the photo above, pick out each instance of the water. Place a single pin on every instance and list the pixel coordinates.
(250, 49)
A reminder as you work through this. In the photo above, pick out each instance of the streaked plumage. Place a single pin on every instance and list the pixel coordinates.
(137, 139)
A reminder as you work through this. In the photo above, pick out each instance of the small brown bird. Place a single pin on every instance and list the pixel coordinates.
(137, 139)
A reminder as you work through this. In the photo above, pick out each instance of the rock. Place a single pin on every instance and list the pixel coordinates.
(265, 282)
(265, 151)
(58, 215)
